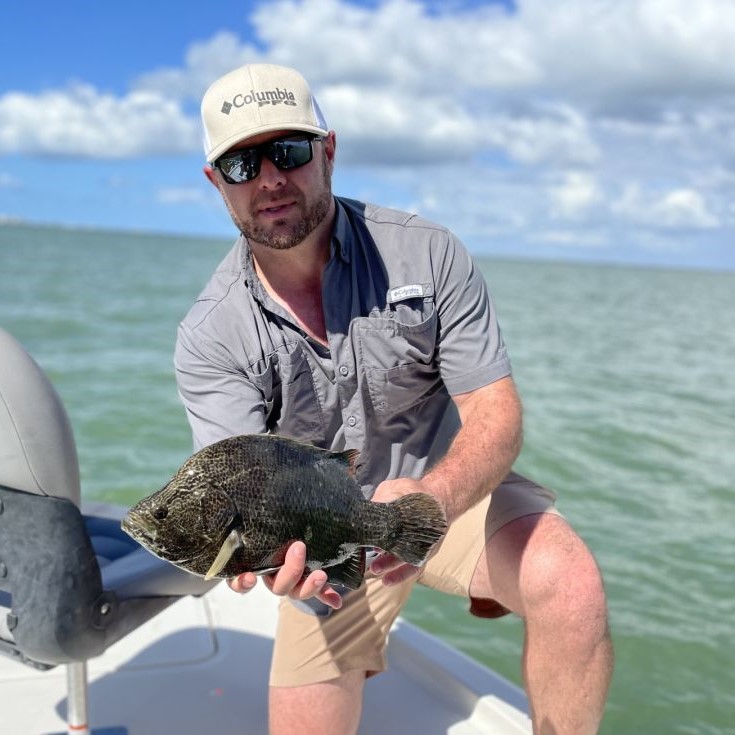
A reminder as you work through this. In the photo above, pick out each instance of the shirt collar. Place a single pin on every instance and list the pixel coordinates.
(341, 233)
(248, 269)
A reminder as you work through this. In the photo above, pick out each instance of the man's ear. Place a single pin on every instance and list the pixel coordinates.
(330, 148)
(330, 145)
(211, 174)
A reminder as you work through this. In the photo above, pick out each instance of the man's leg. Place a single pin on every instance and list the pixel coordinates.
(319, 664)
(327, 708)
(540, 569)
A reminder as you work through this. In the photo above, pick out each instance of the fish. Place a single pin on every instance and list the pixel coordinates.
(237, 505)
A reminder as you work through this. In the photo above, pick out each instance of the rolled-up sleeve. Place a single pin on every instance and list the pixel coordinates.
(219, 399)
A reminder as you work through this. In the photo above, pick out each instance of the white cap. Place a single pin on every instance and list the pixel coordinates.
(254, 99)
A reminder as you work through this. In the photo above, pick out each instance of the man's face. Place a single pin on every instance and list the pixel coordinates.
(279, 209)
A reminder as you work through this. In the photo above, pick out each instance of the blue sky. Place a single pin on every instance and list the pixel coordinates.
(580, 129)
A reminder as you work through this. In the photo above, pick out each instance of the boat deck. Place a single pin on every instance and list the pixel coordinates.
(202, 666)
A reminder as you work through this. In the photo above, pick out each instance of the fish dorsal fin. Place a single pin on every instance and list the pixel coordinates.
(231, 544)
(350, 458)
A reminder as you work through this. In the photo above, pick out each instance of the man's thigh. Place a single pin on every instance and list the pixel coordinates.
(310, 649)
(453, 567)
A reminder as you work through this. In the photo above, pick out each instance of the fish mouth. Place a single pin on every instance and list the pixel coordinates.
(140, 528)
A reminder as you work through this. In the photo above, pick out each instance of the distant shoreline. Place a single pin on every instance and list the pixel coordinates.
(24, 224)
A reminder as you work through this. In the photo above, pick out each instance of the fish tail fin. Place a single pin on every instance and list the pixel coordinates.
(418, 523)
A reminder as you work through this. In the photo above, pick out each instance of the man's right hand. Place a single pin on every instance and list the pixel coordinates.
(289, 580)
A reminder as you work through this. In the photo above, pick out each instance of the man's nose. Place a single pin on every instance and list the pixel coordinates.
(270, 176)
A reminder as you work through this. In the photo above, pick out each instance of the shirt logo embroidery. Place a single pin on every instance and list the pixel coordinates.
(405, 292)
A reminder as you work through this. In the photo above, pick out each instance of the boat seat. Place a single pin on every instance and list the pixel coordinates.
(71, 584)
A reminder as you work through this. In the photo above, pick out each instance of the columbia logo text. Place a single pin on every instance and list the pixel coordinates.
(275, 96)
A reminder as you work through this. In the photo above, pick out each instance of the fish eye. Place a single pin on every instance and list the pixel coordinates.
(160, 513)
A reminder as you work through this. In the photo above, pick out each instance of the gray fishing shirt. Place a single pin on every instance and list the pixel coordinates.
(409, 324)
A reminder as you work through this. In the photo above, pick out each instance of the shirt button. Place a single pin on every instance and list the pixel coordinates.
(344, 370)
(351, 421)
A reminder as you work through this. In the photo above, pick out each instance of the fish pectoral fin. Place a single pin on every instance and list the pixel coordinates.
(349, 573)
(229, 547)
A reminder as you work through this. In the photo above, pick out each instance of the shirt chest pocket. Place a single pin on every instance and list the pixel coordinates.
(292, 406)
(396, 351)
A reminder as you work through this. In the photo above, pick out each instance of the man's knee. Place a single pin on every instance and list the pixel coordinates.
(537, 565)
(559, 578)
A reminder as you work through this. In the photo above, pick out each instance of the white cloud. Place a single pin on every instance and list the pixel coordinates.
(554, 134)
(610, 52)
(575, 195)
(684, 208)
(378, 127)
(81, 121)
(679, 209)
(398, 44)
(203, 63)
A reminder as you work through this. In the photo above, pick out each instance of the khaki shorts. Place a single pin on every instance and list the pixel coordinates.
(310, 649)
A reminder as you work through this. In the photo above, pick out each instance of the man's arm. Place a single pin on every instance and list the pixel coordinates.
(483, 451)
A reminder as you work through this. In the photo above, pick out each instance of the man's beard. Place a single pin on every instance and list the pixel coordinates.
(273, 236)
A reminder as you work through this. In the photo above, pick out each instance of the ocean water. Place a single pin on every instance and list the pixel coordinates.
(628, 382)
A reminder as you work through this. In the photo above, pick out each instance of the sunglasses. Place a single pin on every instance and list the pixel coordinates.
(285, 154)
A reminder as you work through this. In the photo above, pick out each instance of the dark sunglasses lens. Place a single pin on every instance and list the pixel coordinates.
(239, 167)
(287, 154)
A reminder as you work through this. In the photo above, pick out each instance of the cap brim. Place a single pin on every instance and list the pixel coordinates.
(241, 137)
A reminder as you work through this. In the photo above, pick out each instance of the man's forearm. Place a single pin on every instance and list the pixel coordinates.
(483, 450)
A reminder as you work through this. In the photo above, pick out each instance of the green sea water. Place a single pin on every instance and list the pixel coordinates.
(628, 381)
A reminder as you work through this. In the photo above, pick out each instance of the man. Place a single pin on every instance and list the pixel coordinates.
(354, 327)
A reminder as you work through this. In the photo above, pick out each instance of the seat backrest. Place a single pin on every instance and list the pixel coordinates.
(56, 603)
(37, 450)
(45, 551)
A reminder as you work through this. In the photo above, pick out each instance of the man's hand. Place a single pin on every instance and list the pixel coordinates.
(289, 580)
(390, 567)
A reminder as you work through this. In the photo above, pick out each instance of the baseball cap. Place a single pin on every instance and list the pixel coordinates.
(254, 99)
